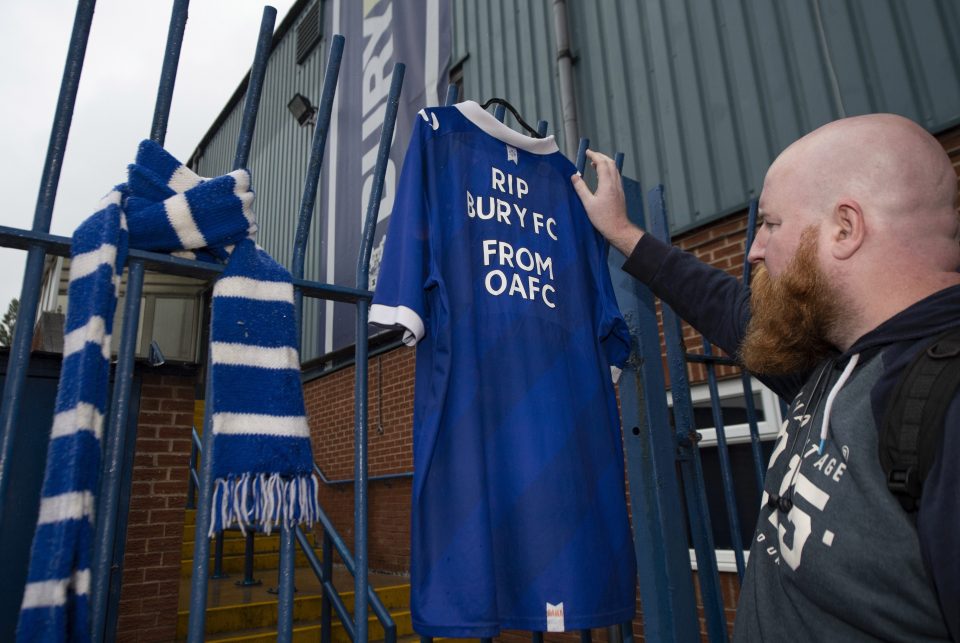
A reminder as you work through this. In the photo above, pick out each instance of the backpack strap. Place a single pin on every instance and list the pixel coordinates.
(912, 431)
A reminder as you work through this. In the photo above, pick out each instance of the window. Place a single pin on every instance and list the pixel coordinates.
(739, 447)
(309, 32)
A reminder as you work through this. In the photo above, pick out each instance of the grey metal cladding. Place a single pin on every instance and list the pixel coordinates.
(701, 95)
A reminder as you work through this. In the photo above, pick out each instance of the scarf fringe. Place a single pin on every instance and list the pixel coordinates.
(262, 501)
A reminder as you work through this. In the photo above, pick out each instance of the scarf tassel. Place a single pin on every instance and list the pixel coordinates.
(264, 501)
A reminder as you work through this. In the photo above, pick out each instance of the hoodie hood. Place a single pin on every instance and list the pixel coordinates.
(928, 317)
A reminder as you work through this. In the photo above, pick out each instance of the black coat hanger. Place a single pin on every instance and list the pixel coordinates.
(516, 115)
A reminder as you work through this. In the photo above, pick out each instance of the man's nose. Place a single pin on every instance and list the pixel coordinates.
(757, 248)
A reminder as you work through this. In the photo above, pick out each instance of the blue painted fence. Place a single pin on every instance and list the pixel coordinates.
(663, 464)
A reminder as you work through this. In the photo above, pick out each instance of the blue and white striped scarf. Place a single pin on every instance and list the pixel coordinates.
(262, 462)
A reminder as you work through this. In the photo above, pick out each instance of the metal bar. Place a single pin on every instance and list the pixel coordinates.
(327, 576)
(192, 484)
(500, 112)
(379, 171)
(105, 529)
(201, 540)
(663, 561)
(288, 556)
(453, 92)
(360, 466)
(542, 128)
(613, 633)
(60, 246)
(249, 549)
(582, 154)
(690, 466)
(112, 468)
(628, 632)
(536, 637)
(342, 481)
(168, 74)
(585, 636)
(19, 359)
(251, 103)
(315, 164)
(745, 378)
(218, 557)
(726, 472)
(710, 359)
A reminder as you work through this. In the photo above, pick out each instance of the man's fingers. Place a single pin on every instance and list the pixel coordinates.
(580, 186)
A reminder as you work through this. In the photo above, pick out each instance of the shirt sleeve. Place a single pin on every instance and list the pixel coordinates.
(938, 521)
(400, 297)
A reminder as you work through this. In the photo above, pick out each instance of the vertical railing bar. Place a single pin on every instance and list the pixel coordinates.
(168, 74)
(192, 482)
(758, 463)
(105, 529)
(500, 112)
(110, 479)
(536, 637)
(360, 392)
(201, 540)
(218, 557)
(582, 154)
(542, 128)
(726, 473)
(308, 200)
(19, 357)
(285, 595)
(251, 104)
(585, 636)
(690, 466)
(325, 604)
(453, 92)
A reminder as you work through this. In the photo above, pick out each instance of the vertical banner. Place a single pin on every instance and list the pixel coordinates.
(379, 34)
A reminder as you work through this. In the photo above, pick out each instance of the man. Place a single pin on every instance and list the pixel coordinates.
(856, 265)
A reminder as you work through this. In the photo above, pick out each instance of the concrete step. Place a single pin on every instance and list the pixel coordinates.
(254, 621)
(233, 564)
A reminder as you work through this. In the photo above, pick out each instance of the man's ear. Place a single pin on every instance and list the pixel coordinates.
(848, 229)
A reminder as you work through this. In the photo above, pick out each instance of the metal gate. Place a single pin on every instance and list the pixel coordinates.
(655, 453)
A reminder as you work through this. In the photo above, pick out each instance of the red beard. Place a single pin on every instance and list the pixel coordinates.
(792, 316)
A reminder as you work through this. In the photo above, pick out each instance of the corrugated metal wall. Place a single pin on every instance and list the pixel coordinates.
(278, 162)
(702, 94)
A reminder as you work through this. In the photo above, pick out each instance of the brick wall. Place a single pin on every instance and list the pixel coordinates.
(330, 408)
(151, 564)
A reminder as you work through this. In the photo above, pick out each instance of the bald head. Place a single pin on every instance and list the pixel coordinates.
(887, 163)
(881, 195)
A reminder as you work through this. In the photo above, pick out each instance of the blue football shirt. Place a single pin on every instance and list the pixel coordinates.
(519, 516)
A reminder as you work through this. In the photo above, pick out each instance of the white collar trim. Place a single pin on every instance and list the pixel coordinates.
(486, 121)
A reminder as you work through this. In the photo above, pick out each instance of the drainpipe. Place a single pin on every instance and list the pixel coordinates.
(568, 104)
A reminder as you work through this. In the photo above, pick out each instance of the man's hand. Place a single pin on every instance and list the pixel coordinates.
(607, 208)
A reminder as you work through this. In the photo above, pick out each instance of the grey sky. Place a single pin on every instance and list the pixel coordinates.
(115, 101)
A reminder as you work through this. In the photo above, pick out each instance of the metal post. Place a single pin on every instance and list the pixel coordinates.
(105, 529)
(313, 168)
(325, 604)
(248, 552)
(120, 408)
(585, 636)
(614, 634)
(726, 474)
(201, 542)
(19, 359)
(687, 438)
(663, 562)
(582, 154)
(285, 606)
(192, 485)
(168, 74)
(360, 397)
(536, 637)
(452, 93)
(218, 558)
(758, 461)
